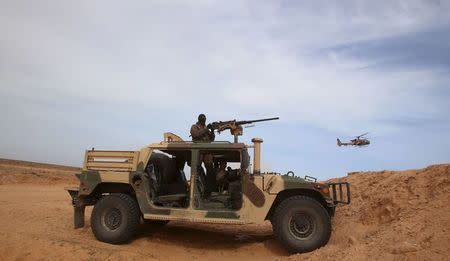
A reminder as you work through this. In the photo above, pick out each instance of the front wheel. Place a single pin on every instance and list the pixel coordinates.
(115, 218)
(301, 224)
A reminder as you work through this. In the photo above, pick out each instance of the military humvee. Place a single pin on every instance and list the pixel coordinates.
(126, 187)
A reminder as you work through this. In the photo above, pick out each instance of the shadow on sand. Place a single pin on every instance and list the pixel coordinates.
(212, 236)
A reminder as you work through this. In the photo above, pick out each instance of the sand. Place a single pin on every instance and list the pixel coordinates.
(394, 215)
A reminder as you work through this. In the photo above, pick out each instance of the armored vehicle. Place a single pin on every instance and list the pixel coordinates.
(208, 182)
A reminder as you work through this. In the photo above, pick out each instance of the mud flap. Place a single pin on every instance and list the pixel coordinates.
(78, 217)
(78, 209)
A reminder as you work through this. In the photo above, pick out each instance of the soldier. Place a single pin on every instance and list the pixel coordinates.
(199, 131)
(210, 178)
(221, 175)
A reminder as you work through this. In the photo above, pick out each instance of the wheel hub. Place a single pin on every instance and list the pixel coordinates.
(301, 225)
(113, 218)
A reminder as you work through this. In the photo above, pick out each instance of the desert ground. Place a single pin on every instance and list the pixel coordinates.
(394, 215)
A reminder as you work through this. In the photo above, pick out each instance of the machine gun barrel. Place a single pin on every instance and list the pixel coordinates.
(259, 120)
(234, 126)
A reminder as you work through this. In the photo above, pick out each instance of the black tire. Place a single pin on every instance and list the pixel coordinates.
(115, 218)
(301, 224)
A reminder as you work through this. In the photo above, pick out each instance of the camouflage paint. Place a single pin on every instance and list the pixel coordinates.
(258, 190)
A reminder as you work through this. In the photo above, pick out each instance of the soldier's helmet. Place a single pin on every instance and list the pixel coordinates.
(202, 118)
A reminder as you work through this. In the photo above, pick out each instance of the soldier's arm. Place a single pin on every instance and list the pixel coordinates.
(196, 132)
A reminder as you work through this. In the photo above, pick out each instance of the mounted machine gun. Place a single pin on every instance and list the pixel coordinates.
(234, 126)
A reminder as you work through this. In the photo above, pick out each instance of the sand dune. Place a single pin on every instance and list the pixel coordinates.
(395, 215)
(25, 172)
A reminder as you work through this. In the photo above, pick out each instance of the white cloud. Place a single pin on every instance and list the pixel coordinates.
(228, 59)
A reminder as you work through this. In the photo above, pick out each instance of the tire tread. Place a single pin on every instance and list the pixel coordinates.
(277, 223)
(133, 219)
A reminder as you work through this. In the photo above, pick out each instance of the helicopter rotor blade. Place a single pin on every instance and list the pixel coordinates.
(362, 135)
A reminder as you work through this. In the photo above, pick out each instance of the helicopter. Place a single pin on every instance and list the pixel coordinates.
(358, 141)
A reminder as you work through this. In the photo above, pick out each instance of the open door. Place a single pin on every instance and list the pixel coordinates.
(218, 180)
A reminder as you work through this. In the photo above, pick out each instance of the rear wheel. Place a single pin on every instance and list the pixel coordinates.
(301, 224)
(115, 218)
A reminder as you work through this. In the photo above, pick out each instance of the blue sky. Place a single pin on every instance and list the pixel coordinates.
(116, 75)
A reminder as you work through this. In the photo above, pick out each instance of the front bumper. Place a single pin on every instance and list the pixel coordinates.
(340, 192)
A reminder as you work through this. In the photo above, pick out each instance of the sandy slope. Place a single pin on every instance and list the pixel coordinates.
(21, 172)
(394, 216)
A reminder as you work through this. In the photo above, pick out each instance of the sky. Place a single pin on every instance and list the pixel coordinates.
(117, 75)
